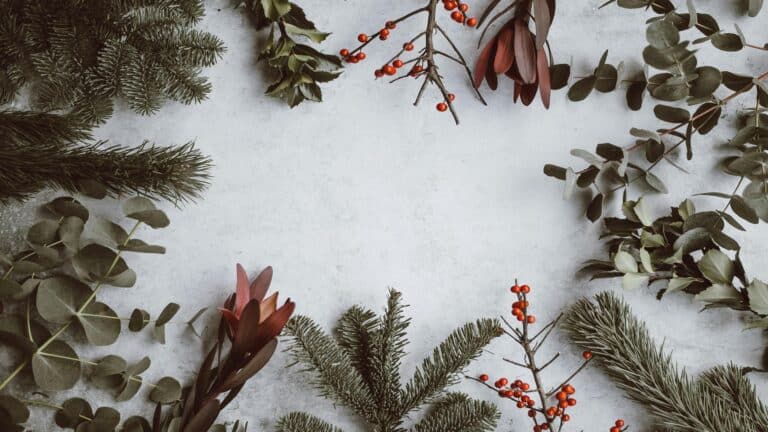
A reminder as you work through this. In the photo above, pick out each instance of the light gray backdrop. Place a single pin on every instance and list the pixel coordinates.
(365, 192)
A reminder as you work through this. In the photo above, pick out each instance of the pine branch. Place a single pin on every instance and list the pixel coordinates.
(389, 343)
(456, 412)
(353, 333)
(627, 353)
(44, 150)
(302, 422)
(331, 369)
(447, 362)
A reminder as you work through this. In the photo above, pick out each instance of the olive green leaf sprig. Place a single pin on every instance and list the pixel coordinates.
(50, 294)
(359, 367)
(689, 250)
(42, 150)
(299, 68)
(721, 399)
(79, 56)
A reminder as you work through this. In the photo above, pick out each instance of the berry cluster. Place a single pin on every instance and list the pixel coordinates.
(619, 426)
(423, 63)
(551, 411)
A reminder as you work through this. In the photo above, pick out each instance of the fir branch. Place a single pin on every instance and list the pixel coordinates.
(44, 150)
(388, 350)
(723, 400)
(456, 412)
(447, 362)
(302, 422)
(353, 333)
(331, 369)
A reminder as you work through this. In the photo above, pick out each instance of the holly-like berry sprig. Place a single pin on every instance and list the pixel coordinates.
(422, 65)
(551, 411)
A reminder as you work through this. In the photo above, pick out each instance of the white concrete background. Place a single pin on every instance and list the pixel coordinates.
(364, 192)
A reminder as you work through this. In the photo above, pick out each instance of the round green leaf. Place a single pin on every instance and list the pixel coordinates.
(662, 34)
(60, 297)
(727, 42)
(624, 262)
(70, 231)
(139, 368)
(43, 233)
(707, 82)
(635, 94)
(110, 231)
(13, 332)
(136, 245)
(10, 289)
(56, 373)
(129, 388)
(136, 424)
(100, 324)
(110, 365)
(581, 89)
(166, 391)
(167, 314)
(671, 114)
(104, 420)
(559, 75)
(72, 413)
(93, 262)
(67, 206)
(144, 210)
(139, 319)
(17, 412)
(606, 75)
(758, 297)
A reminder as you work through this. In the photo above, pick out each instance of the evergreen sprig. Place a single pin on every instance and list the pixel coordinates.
(299, 68)
(79, 55)
(40, 150)
(721, 400)
(359, 368)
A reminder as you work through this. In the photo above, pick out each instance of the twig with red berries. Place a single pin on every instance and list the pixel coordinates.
(424, 64)
(551, 410)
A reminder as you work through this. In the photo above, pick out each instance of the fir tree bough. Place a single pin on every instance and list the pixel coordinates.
(721, 400)
(78, 55)
(39, 150)
(359, 367)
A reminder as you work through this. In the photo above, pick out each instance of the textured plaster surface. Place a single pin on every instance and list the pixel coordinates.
(365, 192)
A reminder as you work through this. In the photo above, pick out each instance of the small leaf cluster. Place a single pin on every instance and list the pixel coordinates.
(79, 56)
(50, 291)
(299, 68)
(689, 250)
(359, 367)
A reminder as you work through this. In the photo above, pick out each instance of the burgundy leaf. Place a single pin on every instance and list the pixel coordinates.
(203, 420)
(260, 286)
(525, 53)
(505, 53)
(254, 365)
(242, 296)
(481, 65)
(543, 21)
(551, 4)
(545, 82)
(272, 326)
(518, 89)
(247, 328)
(528, 93)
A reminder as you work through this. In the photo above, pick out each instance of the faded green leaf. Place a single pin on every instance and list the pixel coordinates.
(717, 267)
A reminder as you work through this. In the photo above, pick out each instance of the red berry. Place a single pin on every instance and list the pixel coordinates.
(390, 25)
(518, 383)
(569, 389)
(483, 377)
(472, 22)
(457, 16)
(361, 55)
(571, 402)
(516, 311)
(619, 423)
(520, 404)
(615, 429)
(408, 46)
(507, 393)
(561, 396)
(450, 5)
(397, 63)
(384, 32)
(379, 73)
(442, 107)
(587, 355)
(530, 319)
(515, 289)
(525, 289)
(524, 386)
(562, 404)
(353, 59)
(344, 52)
(362, 37)
(463, 7)
(566, 417)
(451, 97)
(531, 413)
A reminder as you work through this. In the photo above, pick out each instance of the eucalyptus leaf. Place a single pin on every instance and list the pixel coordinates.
(139, 319)
(43, 232)
(100, 324)
(67, 206)
(167, 314)
(58, 372)
(581, 89)
(144, 210)
(60, 297)
(70, 231)
(717, 267)
(72, 412)
(96, 263)
(166, 391)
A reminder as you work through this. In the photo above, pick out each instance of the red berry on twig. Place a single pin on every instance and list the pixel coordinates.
(587, 355)
(484, 378)
(472, 22)
(362, 37)
(390, 25)
(408, 46)
(397, 63)
(344, 52)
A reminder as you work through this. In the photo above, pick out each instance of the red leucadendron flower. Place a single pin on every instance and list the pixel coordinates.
(248, 292)
(520, 54)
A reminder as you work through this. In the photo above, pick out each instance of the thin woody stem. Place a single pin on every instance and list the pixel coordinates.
(462, 62)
